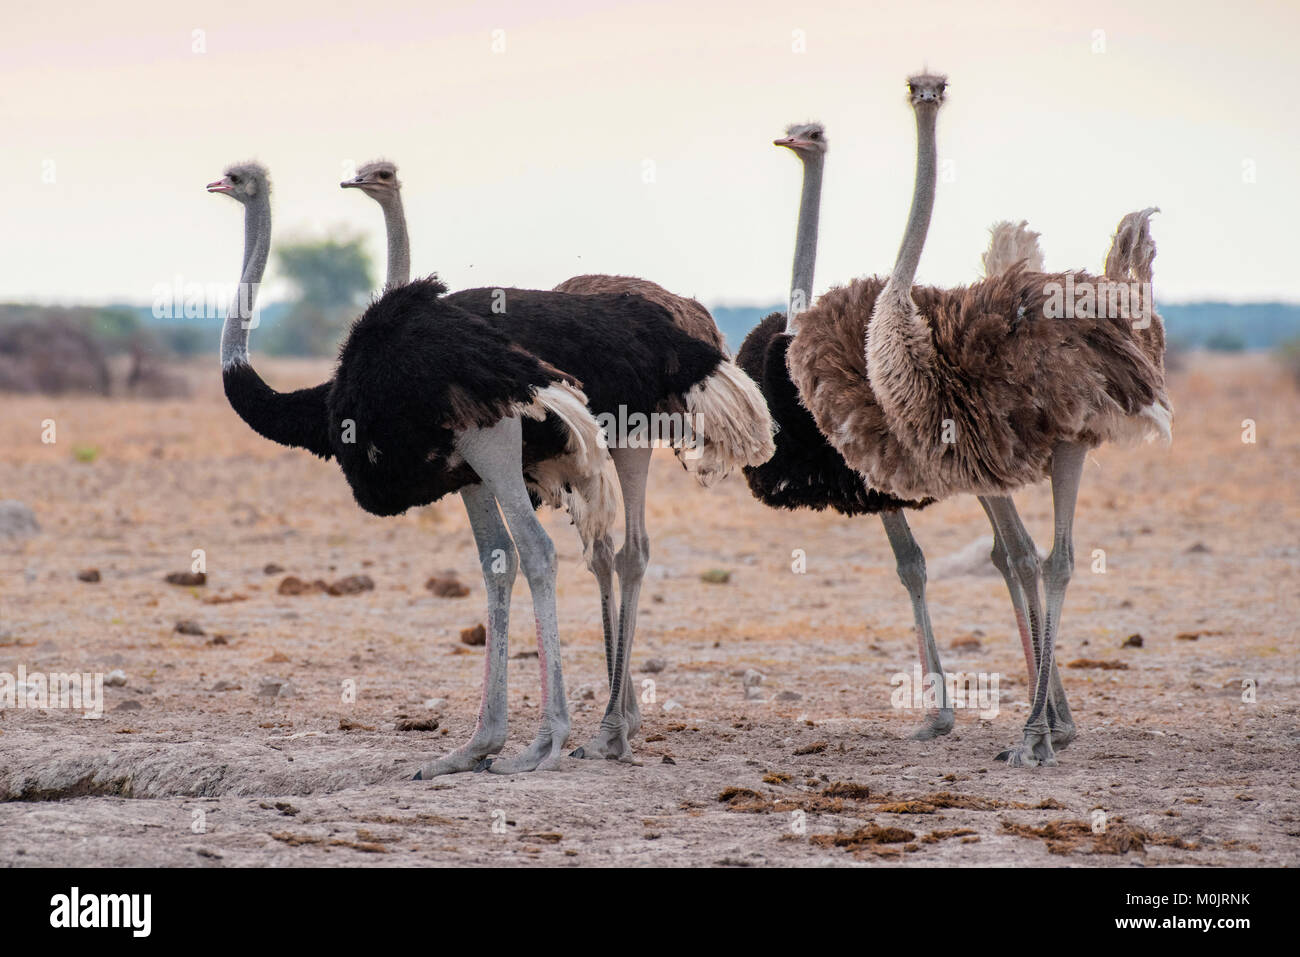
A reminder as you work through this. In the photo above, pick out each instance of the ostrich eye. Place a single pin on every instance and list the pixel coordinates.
(234, 179)
(815, 135)
(385, 174)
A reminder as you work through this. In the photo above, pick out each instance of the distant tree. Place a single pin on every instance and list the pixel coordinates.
(332, 277)
(1225, 342)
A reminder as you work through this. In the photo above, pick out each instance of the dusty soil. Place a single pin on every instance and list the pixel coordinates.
(1200, 540)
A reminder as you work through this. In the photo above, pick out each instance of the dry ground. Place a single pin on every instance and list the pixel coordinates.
(1201, 540)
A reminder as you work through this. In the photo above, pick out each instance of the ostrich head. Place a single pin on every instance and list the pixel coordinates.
(805, 139)
(377, 179)
(926, 89)
(244, 182)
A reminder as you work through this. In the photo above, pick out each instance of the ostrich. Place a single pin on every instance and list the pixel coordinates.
(625, 372)
(427, 400)
(980, 390)
(378, 180)
(806, 471)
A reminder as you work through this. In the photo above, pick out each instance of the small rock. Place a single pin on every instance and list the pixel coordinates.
(1199, 548)
(88, 575)
(671, 705)
(667, 760)
(716, 576)
(115, 678)
(435, 704)
(292, 585)
(789, 696)
(224, 685)
(1132, 641)
(189, 626)
(219, 640)
(968, 643)
(347, 724)
(654, 665)
(473, 636)
(187, 578)
(129, 706)
(17, 521)
(271, 568)
(272, 688)
(448, 587)
(585, 693)
(352, 585)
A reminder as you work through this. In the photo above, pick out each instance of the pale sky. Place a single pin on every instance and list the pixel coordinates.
(527, 166)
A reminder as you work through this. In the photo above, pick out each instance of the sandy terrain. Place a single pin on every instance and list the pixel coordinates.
(1201, 542)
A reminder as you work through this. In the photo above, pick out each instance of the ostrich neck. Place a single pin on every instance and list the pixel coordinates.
(805, 244)
(918, 221)
(298, 419)
(900, 348)
(399, 244)
(240, 317)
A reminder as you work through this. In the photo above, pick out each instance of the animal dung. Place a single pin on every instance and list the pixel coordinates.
(351, 585)
(1132, 641)
(187, 578)
(448, 587)
(88, 575)
(474, 637)
(1097, 663)
(418, 724)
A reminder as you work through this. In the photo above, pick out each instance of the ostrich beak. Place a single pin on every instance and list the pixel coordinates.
(792, 142)
(220, 186)
(350, 182)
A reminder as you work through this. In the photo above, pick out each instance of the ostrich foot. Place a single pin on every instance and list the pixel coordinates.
(1034, 751)
(609, 742)
(471, 757)
(543, 754)
(937, 724)
(1062, 735)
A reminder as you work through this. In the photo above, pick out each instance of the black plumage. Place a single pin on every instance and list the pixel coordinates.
(412, 372)
(805, 471)
(625, 350)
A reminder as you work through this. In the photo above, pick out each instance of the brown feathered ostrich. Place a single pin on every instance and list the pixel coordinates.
(807, 472)
(983, 390)
(730, 423)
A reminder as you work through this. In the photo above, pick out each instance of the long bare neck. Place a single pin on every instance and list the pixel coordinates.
(805, 243)
(900, 348)
(239, 317)
(918, 221)
(399, 244)
(298, 419)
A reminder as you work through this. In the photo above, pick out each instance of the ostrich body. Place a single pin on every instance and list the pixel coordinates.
(1012, 396)
(427, 400)
(629, 366)
(806, 471)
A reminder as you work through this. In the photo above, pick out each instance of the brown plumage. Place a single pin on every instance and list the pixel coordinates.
(1011, 382)
(688, 314)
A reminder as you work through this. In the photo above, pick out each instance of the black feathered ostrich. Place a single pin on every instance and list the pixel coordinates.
(429, 399)
(628, 367)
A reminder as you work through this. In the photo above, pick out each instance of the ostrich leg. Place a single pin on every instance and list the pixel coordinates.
(1029, 623)
(622, 714)
(494, 545)
(1067, 469)
(911, 572)
(495, 454)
